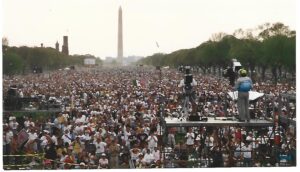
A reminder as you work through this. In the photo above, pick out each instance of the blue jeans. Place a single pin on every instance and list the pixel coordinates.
(247, 162)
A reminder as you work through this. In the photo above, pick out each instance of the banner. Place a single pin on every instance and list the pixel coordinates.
(22, 137)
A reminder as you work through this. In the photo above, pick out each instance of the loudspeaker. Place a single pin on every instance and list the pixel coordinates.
(194, 118)
(197, 118)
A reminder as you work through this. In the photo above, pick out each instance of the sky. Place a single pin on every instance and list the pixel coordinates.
(91, 25)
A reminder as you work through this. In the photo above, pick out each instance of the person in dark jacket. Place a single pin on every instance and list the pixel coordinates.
(217, 157)
(50, 151)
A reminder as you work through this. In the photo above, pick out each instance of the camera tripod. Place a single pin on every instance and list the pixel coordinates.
(188, 97)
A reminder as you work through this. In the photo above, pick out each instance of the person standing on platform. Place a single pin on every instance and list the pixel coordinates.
(231, 75)
(243, 86)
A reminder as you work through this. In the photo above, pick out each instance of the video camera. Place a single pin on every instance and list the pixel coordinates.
(236, 65)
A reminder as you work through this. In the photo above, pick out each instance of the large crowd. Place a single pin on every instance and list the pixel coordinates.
(111, 118)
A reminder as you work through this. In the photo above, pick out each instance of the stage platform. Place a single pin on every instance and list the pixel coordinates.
(219, 122)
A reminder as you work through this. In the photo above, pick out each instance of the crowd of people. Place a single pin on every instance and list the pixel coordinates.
(111, 118)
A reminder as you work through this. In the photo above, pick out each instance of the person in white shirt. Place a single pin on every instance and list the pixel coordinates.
(171, 138)
(147, 129)
(32, 135)
(238, 150)
(190, 136)
(85, 98)
(146, 117)
(67, 138)
(29, 123)
(49, 125)
(79, 128)
(31, 143)
(194, 82)
(249, 137)
(152, 141)
(103, 161)
(148, 158)
(100, 146)
(156, 154)
(43, 139)
(127, 133)
(13, 124)
(209, 141)
(87, 136)
(255, 144)
(247, 149)
(8, 136)
(54, 139)
(134, 153)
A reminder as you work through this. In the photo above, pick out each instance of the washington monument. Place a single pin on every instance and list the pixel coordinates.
(120, 38)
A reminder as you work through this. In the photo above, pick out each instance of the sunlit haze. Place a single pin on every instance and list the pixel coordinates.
(91, 25)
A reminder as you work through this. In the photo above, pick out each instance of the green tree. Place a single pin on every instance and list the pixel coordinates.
(12, 63)
(268, 46)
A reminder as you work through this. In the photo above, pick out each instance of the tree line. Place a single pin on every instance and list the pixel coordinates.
(267, 47)
(21, 60)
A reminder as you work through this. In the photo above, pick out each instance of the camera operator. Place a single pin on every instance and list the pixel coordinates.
(231, 71)
(230, 74)
(187, 83)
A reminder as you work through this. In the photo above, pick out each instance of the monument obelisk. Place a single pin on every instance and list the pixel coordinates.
(120, 38)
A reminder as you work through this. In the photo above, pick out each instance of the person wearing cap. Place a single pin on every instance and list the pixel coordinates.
(100, 146)
(13, 124)
(243, 86)
(103, 161)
